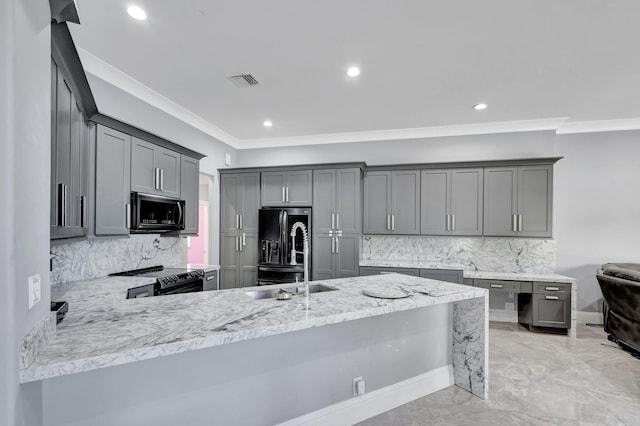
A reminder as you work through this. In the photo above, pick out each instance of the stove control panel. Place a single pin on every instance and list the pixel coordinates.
(179, 279)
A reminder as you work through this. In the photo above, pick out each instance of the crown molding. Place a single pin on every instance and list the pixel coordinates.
(599, 126)
(107, 72)
(412, 133)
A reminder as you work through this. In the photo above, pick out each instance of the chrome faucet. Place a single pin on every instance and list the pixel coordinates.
(305, 251)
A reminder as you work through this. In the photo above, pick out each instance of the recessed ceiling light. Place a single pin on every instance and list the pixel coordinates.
(267, 123)
(353, 71)
(480, 107)
(137, 13)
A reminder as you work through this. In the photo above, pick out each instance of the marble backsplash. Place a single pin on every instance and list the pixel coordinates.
(100, 257)
(473, 254)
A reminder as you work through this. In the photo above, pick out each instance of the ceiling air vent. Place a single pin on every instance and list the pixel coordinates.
(243, 80)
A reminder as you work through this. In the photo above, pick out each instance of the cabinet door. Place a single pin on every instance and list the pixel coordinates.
(250, 201)
(273, 189)
(75, 192)
(405, 202)
(347, 256)
(189, 192)
(500, 200)
(169, 164)
(143, 167)
(377, 202)
(322, 257)
(535, 187)
(113, 167)
(324, 201)
(466, 201)
(551, 311)
(248, 259)
(299, 188)
(63, 158)
(348, 201)
(434, 201)
(452, 276)
(85, 172)
(229, 260)
(53, 186)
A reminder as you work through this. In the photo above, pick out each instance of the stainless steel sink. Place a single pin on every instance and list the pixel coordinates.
(270, 293)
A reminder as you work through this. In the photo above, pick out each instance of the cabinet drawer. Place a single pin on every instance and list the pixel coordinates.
(372, 270)
(449, 275)
(551, 288)
(551, 310)
(499, 285)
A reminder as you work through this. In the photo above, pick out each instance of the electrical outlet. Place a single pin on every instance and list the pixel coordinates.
(509, 307)
(227, 159)
(358, 386)
(34, 290)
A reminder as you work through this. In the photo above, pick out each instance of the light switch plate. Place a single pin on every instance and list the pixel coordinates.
(227, 159)
(34, 289)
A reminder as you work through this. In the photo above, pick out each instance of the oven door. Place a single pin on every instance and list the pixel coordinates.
(155, 213)
(186, 287)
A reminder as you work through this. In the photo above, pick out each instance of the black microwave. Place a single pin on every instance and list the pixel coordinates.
(155, 213)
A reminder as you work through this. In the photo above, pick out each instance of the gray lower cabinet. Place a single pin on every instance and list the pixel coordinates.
(69, 161)
(375, 270)
(451, 202)
(154, 169)
(113, 174)
(450, 275)
(518, 201)
(548, 306)
(239, 206)
(392, 202)
(189, 192)
(238, 260)
(287, 188)
(335, 256)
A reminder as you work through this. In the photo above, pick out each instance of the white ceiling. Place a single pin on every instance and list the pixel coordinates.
(424, 63)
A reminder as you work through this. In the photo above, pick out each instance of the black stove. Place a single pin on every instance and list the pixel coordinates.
(169, 280)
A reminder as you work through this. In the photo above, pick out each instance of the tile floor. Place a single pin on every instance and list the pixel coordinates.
(538, 379)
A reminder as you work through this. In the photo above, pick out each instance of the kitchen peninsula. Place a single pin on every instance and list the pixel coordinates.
(210, 355)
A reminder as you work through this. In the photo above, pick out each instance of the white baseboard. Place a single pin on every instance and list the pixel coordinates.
(371, 404)
(584, 317)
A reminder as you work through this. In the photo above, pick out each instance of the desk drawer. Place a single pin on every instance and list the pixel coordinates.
(499, 285)
(551, 288)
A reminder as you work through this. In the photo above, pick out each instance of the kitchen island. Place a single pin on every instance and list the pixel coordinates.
(206, 355)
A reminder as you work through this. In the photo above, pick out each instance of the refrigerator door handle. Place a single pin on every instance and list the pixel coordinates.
(283, 194)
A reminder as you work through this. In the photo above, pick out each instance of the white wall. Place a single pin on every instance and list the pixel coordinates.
(456, 148)
(25, 170)
(596, 206)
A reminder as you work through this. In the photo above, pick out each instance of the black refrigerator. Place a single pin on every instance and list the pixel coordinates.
(276, 264)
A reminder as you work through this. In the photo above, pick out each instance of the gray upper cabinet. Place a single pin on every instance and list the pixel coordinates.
(336, 223)
(239, 206)
(518, 201)
(154, 169)
(69, 161)
(113, 172)
(451, 201)
(189, 192)
(392, 202)
(287, 188)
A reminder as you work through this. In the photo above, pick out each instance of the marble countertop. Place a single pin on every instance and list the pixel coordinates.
(103, 329)
(488, 275)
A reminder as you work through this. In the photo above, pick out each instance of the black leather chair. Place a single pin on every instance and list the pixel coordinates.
(620, 285)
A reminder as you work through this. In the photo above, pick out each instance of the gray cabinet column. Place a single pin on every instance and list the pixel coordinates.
(190, 193)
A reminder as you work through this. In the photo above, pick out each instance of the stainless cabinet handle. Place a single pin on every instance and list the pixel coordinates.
(552, 288)
(237, 243)
(496, 285)
(337, 245)
(520, 222)
(244, 239)
(393, 222)
(156, 178)
(287, 193)
(210, 278)
(551, 297)
(448, 226)
(241, 224)
(388, 222)
(61, 204)
(283, 194)
(83, 211)
(333, 220)
(514, 223)
(127, 219)
(237, 221)
(453, 222)
(337, 220)
(161, 179)
(333, 245)
(65, 205)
